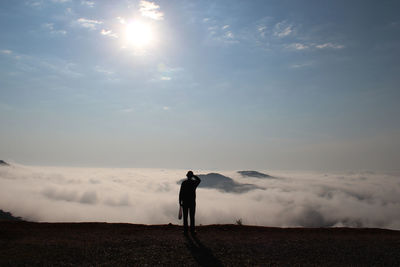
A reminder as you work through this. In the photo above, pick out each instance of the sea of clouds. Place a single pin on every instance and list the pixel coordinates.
(150, 196)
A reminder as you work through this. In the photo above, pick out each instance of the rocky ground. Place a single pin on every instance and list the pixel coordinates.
(25, 243)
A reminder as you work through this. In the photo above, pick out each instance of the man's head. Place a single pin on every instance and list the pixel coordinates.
(189, 174)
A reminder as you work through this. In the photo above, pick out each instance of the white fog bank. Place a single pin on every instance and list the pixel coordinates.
(150, 196)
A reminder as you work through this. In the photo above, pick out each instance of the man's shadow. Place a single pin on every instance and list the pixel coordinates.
(201, 253)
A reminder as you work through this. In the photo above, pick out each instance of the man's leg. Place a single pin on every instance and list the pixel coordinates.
(192, 215)
(185, 218)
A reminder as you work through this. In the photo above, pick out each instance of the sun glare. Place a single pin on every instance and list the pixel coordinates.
(139, 34)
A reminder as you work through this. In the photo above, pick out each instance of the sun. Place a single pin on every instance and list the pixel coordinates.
(139, 34)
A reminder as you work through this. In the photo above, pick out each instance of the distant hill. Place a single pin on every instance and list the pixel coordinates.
(254, 174)
(7, 216)
(224, 183)
(3, 163)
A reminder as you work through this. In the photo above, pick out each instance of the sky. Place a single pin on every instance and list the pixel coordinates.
(227, 85)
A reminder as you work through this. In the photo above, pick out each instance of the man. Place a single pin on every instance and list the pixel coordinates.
(187, 200)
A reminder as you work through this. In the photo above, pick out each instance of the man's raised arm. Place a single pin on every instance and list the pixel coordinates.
(197, 180)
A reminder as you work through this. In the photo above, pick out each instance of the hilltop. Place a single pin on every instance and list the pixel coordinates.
(26, 243)
(7, 216)
(3, 163)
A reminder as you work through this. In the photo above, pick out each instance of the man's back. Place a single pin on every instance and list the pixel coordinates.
(187, 193)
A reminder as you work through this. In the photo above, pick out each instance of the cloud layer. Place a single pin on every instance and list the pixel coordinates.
(150, 196)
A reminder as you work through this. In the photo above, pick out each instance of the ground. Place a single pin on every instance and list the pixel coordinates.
(25, 243)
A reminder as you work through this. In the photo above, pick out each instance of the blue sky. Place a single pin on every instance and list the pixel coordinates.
(218, 85)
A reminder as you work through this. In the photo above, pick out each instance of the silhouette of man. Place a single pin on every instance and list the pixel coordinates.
(187, 199)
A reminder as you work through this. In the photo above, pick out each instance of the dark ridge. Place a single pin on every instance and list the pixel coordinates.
(255, 174)
(224, 183)
(7, 216)
(3, 163)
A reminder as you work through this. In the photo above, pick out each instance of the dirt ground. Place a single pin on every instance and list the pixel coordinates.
(25, 243)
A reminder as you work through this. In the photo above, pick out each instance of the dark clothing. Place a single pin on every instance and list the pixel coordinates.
(191, 210)
(187, 194)
(187, 199)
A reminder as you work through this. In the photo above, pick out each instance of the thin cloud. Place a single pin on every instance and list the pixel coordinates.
(109, 33)
(88, 3)
(51, 66)
(221, 34)
(6, 52)
(300, 65)
(161, 67)
(106, 73)
(35, 4)
(297, 46)
(262, 29)
(60, 67)
(52, 30)
(283, 29)
(167, 73)
(150, 10)
(126, 110)
(121, 20)
(69, 11)
(229, 35)
(103, 70)
(330, 45)
(212, 30)
(90, 24)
